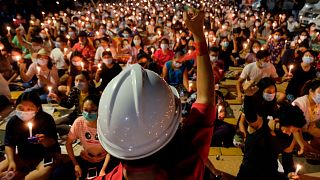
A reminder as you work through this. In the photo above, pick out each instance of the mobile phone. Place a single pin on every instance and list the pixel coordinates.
(92, 173)
(47, 161)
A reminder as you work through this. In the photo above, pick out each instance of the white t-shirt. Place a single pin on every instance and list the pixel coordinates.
(303, 104)
(58, 58)
(253, 72)
(4, 87)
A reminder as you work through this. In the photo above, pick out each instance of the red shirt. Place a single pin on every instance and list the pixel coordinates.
(86, 51)
(187, 160)
(161, 58)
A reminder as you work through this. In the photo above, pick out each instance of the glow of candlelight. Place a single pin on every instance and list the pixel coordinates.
(152, 50)
(219, 108)
(67, 36)
(65, 50)
(82, 65)
(30, 129)
(245, 45)
(159, 33)
(99, 66)
(97, 33)
(290, 68)
(8, 28)
(38, 69)
(49, 89)
(298, 169)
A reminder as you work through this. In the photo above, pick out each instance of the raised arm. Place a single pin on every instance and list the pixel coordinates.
(205, 81)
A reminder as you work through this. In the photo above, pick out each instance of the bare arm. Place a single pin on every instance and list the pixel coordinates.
(205, 79)
(70, 151)
(239, 85)
(185, 79)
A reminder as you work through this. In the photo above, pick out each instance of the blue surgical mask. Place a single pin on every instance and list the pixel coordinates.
(225, 44)
(307, 59)
(90, 116)
(316, 98)
(268, 97)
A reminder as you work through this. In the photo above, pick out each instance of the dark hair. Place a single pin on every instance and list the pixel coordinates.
(30, 96)
(94, 98)
(17, 50)
(310, 85)
(165, 40)
(290, 115)
(214, 49)
(83, 34)
(254, 42)
(37, 39)
(262, 54)
(86, 75)
(108, 53)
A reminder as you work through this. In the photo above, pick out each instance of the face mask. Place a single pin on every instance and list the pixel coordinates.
(43, 36)
(71, 33)
(225, 44)
(107, 61)
(242, 25)
(257, 24)
(307, 59)
(36, 48)
(268, 97)
(213, 58)
(42, 62)
(57, 44)
(177, 65)
(88, 26)
(109, 25)
(276, 37)
(264, 64)
(317, 98)
(255, 50)
(90, 116)
(169, 24)
(137, 42)
(78, 63)
(125, 35)
(63, 28)
(25, 116)
(303, 38)
(164, 46)
(81, 85)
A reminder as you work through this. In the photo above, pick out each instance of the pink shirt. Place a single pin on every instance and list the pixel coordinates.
(92, 149)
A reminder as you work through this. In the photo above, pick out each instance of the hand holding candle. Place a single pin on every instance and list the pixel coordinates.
(8, 28)
(99, 66)
(298, 169)
(50, 89)
(38, 70)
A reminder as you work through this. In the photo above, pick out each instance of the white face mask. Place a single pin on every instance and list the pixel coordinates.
(107, 61)
(255, 50)
(164, 46)
(42, 62)
(177, 65)
(137, 42)
(264, 64)
(25, 115)
(81, 85)
(303, 38)
(78, 63)
(316, 98)
(268, 97)
(213, 58)
(307, 59)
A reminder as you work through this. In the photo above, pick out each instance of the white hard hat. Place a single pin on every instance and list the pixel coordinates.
(139, 113)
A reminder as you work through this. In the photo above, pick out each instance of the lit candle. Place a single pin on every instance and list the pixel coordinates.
(67, 36)
(99, 66)
(46, 29)
(159, 33)
(8, 28)
(38, 69)
(30, 129)
(152, 50)
(82, 65)
(108, 49)
(189, 51)
(298, 169)
(97, 33)
(290, 68)
(177, 39)
(270, 37)
(245, 45)
(65, 50)
(219, 108)
(49, 89)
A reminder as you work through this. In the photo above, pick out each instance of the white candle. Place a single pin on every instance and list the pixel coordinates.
(152, 50)
(219, 108)
(298, 169)
(82, 65)
(159, 33)
(30, 129)
(68, 37)
(99, 66)
(38, 69)
(65, 50)
(50, 89)
(8, 28)
(290, 68)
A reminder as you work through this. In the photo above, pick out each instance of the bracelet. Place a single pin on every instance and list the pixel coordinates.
(201, 48)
